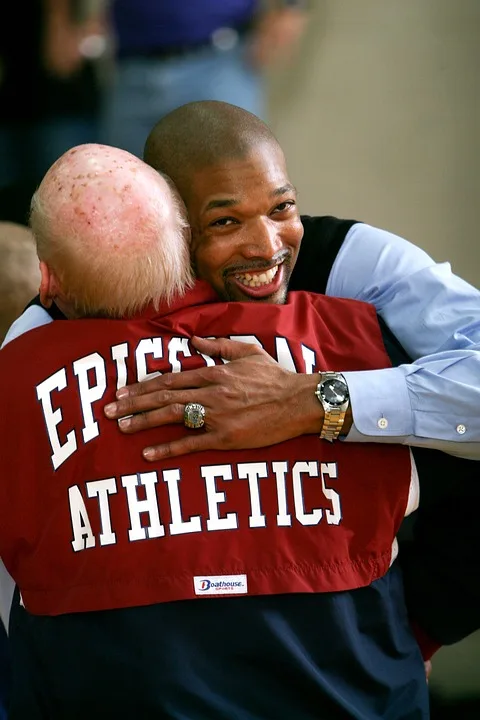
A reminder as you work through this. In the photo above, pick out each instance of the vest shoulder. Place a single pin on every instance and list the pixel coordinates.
(325, 227)
(322, 239)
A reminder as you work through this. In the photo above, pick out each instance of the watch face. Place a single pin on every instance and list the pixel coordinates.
(334, 392)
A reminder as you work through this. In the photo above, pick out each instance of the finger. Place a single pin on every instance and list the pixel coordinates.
(154, 401)
(170, 381)
(132, 405)
(154, 418)
(195, 442)
(226, 348)
(160, 400)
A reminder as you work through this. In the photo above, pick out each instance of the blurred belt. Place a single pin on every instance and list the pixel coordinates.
(223, 39)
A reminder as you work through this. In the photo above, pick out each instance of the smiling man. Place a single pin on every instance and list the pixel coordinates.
(250, 243)
(240, 261)
(246, 230)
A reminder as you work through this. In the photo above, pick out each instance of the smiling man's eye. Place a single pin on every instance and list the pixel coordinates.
(286, 205)
(222, 222)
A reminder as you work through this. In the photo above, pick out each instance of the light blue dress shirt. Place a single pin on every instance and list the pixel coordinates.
(435, 401)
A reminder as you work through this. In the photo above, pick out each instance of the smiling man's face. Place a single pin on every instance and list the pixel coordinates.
(246, 229)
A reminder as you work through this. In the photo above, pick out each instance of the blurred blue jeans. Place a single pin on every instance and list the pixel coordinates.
(27, 150)
(30, 148)
(144, 89)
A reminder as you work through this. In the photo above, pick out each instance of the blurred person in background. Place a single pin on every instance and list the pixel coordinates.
(19, 272)
(49, 94)
(19, 278)
(173, 52)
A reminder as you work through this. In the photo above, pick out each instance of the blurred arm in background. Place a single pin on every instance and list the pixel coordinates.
(278, 31)
(19, 272)
(71, 29)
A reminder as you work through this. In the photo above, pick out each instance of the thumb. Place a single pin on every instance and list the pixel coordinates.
(225, 348)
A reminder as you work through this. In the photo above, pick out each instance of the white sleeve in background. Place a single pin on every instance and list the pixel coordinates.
(34, 316)
(435, 400)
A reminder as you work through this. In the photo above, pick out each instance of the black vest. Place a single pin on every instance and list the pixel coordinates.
(440, 543)
(321, 242)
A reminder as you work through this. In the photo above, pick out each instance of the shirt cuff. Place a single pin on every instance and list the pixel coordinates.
(380, 406)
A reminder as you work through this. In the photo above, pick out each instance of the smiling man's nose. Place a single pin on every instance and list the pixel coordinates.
(264, 241)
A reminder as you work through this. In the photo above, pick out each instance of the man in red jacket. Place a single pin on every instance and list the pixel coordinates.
(260, 583)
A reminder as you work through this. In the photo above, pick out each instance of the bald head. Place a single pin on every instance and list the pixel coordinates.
(112, 230)
(202, 134)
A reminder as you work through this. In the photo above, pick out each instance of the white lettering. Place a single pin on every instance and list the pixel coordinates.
(284, 355)
(102, 489)
(53, 418)
(254, 471)
(144, 512)
(90, 393)
(83, 537)
(333, 516)
(119, 356)
(309, 359)
(250, 339)
(299, 469)
(284, 519)
(179, 526)
(136, 507)
(175, 346)
(215, 497)
(147, 346)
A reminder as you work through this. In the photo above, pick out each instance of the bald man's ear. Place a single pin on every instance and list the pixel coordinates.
(49, 285)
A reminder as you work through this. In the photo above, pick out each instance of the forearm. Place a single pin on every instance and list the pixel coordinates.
(63, 14)
(415, 405)
(58, 9)
(306, 412)
(436, 317)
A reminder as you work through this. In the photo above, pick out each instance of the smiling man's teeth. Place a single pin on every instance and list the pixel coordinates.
(251, 280)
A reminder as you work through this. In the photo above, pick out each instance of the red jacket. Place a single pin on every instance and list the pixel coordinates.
(87, 524)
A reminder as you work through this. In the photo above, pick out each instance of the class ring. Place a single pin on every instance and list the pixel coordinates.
(194, 416)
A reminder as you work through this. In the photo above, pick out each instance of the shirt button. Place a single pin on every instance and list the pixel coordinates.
(383, 423)
(461, 429)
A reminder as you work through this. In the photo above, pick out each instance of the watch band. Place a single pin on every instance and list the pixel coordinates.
(333, 417)
(332, 424)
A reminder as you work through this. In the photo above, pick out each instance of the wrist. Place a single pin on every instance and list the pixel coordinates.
(310, 412)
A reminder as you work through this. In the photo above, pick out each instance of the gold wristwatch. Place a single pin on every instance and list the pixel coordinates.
(332, 393)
